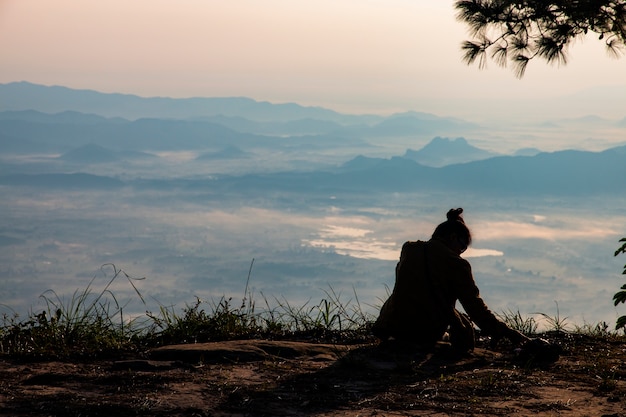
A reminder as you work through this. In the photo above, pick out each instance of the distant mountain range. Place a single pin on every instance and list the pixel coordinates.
(60, 105)
(562, 172)
(91, 138)
(86, 128)
(35, 132)
(111, 115)
(57, 99)
(554, 173)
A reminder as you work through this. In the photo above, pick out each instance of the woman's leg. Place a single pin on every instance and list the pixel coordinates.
(462, 337)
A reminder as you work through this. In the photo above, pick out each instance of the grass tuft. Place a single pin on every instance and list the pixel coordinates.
(88, 324)
(515, 320)
(92, 324)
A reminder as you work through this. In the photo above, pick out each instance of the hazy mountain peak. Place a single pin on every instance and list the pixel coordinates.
(527, 152)
(442, 142)
(90, 153)
(445, 151)
(360, 162)
(414, 115)
(229, 152)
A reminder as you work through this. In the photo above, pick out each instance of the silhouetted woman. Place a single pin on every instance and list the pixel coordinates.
(430, 278)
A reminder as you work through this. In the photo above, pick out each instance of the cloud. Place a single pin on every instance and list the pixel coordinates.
(331, 231)
(353, 241)
(519, 230)
(363, 249)
(477, 253)
(365, 244)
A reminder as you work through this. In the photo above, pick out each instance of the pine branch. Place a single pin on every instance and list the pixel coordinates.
(524, 30)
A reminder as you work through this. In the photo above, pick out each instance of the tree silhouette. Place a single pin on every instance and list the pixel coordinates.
(518, 31)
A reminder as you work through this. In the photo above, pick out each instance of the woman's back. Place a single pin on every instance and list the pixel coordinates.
(417, 309)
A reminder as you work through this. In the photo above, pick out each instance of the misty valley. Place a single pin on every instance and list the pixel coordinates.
(299, 200)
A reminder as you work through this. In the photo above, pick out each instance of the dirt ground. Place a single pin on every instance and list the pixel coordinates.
(287, 378)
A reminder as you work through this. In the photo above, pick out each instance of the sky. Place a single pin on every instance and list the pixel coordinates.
(353, 56)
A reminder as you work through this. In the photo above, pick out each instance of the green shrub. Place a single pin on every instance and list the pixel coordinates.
(620, 296)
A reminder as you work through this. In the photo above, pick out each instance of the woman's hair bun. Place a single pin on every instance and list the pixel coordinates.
(454, 225)
(455, 215)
